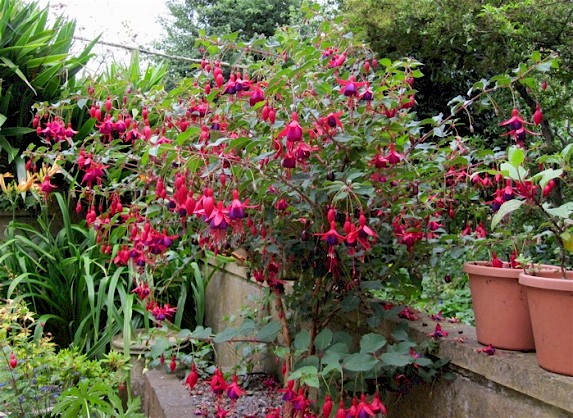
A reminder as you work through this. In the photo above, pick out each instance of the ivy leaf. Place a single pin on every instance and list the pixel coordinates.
(505, 209)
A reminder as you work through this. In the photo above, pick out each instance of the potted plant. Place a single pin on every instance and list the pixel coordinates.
(305, 152)
(544, 190)
(500, 304)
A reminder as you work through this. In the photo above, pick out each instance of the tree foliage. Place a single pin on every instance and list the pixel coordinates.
(461, 41)
(249, 18)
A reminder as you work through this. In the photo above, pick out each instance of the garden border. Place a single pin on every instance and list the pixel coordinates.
(508, 383)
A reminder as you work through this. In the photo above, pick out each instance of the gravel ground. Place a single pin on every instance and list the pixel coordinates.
(261, 395)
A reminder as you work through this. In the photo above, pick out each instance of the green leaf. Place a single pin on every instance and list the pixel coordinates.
(515, 173)
(505, 209)
(564, 211)
(225, 335)
(370, 343)
(302, 340)
(350, 303)
(359, 362)
(323, 339)
(400, 335)
(160, 346)
(269, 332)
(396, 359)
(544, 176)
(515, 156)
(304, 371)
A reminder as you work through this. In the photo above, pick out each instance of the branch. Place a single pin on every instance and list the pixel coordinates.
(149, 52)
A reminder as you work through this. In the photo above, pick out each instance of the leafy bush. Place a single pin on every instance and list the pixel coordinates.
(34, 378)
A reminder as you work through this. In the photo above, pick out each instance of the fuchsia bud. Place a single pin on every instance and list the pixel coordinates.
(538, 115)
(13, 362)
(192, 378)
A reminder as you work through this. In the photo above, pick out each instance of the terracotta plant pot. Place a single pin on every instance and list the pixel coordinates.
(500, 307)
(551, 308)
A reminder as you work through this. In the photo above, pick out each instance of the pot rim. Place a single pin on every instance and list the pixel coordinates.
(482, 268)
(540, 282)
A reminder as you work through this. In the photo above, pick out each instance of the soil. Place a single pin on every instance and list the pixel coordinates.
(261, 396)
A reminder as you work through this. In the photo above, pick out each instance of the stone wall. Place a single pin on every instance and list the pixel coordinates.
(507, 384)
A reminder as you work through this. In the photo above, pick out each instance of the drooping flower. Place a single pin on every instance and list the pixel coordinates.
(234, 391)
(495, 262)
(350, 87)
(364, 410)
(289, 393)
(165, 312)
(142, 290)
(332, 237)
(218, 383)
(237, 208)
(293, 131)
(192, 378)
(377, 406)
(327, 406)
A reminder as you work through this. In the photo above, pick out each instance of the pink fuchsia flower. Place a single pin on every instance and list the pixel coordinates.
(341, 412)
(218, 383)
(409, 314)
(219, 217)
(517, 127)
(122, 256)
(438, 332)
(494, 261)
(332, 237)
(300, 402)
(93, 174)
(377, 406)
(46, 186)
(234, 392)
(289, 393)
(172, 364)
(332, 120)
(489, 350)
(142, 290)
(327, 406)
(363, 409)
(537, 115)
(350, 87)
(162, 313)
(293, 131)
(237, 208)
(393, 156)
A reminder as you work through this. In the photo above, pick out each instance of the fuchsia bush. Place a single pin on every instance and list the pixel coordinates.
(306, 150)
